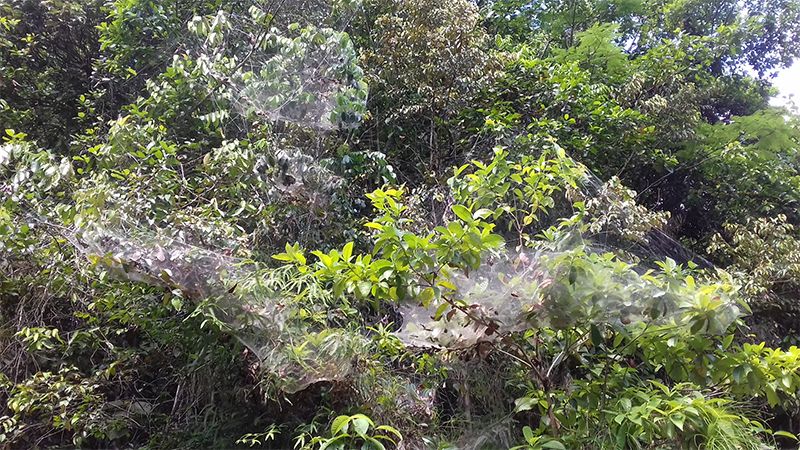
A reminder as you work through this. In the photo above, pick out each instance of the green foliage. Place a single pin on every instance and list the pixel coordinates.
(597, 53)
(43, 76)
(62, 401)
(752, 154)
(676, 417)
(426, 62)
(614, 210)
(762, 252)
(533, 442)
(519, 193)
(549, 100)
(441, 63)
(356, 431)
(397, 224)
(254, 439)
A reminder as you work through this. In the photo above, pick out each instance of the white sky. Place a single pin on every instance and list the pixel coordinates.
(788, 84)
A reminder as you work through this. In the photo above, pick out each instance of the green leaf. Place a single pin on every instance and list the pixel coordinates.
(524, 404)
(621, 437)
(440, 311)
(785, 434)
(463, 213)
(661, 386)
(447, 285)
(455, 228)
(554, 445)
(426, 296)
(361, 424)
(283, 257)
(482, 213)
(527, 432)
(371, 443)
(493, 241)
(389, 429)
(177, 303)
(772, 396)
(678, 419)
(697, 325)
(596, 335)
(340, 425)
(364, 288)
(738, 374)
(726, 342)
(347, 251)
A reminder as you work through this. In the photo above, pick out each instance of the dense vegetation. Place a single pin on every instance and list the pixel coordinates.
(376, 224)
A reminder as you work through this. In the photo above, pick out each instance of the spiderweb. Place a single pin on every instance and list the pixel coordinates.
(507, 294)
(257, 67)
(265, 318)
(549, 289)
